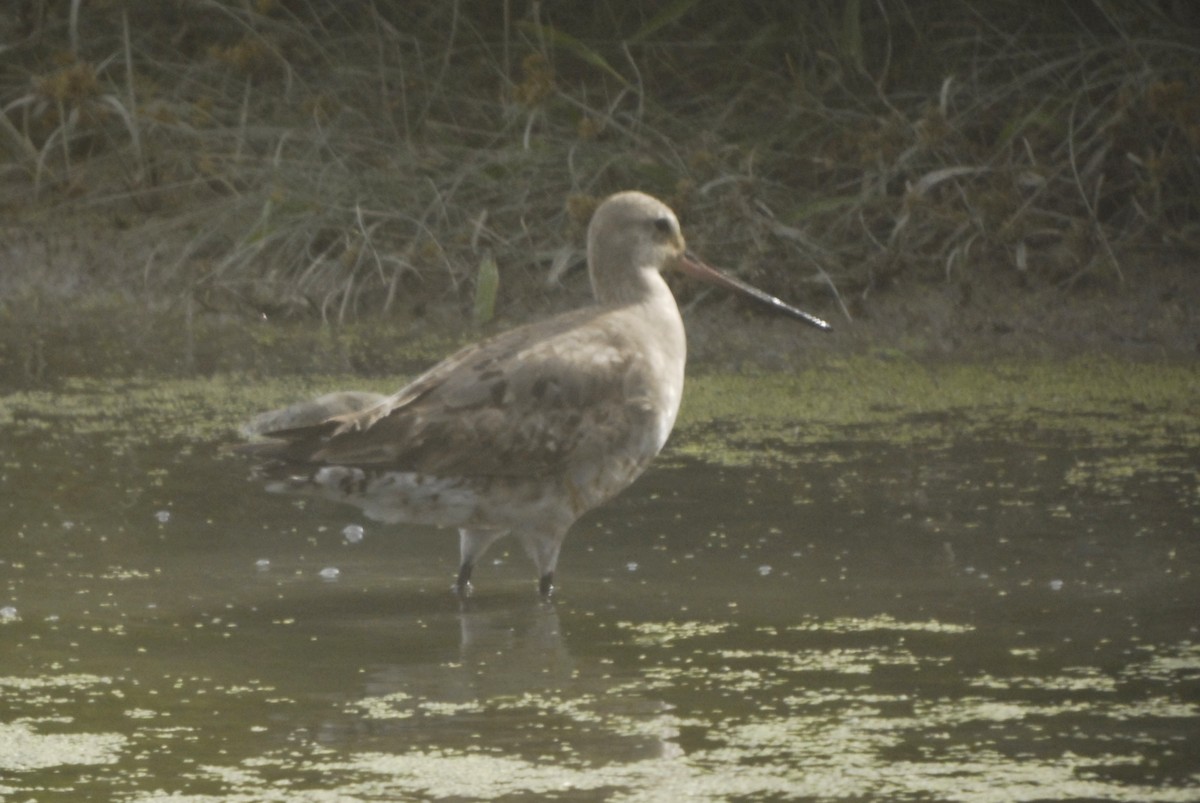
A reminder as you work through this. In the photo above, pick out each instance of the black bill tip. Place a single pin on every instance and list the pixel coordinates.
(692, 266)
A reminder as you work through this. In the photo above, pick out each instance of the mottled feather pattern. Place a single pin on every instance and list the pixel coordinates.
(521, 404)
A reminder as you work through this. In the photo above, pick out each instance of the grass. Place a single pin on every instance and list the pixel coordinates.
(329, 159)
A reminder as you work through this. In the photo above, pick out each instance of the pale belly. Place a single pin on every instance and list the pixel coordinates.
(550, 502)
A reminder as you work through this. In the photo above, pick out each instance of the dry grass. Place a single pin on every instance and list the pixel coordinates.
(336, 158)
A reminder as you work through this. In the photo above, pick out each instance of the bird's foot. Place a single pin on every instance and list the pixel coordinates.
(546, 585)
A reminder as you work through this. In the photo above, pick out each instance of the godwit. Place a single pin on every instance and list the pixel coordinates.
(525, 431)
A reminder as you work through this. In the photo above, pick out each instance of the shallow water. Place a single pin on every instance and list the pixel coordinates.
(967, 603)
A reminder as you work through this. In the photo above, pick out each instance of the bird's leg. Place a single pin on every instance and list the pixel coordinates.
(471, 546)
(462, 585)
(542, 548)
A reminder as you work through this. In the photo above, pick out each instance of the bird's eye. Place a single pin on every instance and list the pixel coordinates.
(663, 225)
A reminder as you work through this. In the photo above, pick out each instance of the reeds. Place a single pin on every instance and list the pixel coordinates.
(335, 158)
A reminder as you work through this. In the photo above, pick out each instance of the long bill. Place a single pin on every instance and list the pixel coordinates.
(691, 266)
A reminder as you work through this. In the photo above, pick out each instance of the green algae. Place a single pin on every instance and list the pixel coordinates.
(647, 701)
(726, 418)
(23, 748)
(834, 737)
(745, 419)
(140, 411)
(24, 745)
(660, 633)
(879, 623)
(1111, 475)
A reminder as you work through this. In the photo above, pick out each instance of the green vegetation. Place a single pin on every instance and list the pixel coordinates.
(336, 159)
(730, 419)
(739, 419)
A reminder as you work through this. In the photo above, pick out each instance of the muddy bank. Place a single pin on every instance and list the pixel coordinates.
(61, 317)
(1152, 313)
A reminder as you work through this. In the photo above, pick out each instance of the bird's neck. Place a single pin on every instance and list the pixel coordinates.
(629, 287)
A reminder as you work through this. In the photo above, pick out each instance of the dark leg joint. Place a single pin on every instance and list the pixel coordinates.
(546, 585)
(462, 586)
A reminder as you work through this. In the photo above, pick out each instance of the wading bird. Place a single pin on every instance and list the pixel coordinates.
(524, 432)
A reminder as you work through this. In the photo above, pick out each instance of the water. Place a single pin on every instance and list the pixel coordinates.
(990, 609)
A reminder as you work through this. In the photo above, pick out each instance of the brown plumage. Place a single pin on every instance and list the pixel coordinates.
(527, 430)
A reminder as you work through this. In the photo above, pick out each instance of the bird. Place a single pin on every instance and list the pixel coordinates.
(523, 432)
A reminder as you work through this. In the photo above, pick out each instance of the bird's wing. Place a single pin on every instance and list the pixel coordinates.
(526, 402)
(308, 413)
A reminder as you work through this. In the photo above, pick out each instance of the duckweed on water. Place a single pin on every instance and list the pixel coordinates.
(137, 411)
(873, 662)
(25, 749)
(826, 745)
(668, 632)
(727, 418)
(888, 400)
(834, 736)
(879, 623)
(1110, 475)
